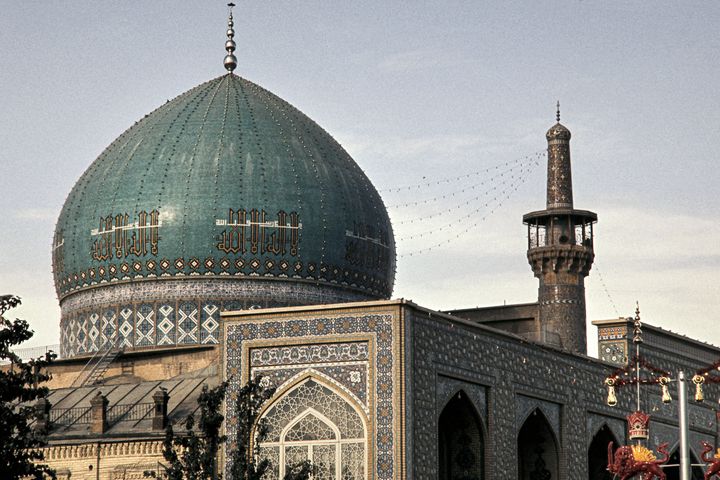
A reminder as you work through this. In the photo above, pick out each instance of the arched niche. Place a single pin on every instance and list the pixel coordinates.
(538, 452)
(313, 420)
(598, 454)
(461, 442)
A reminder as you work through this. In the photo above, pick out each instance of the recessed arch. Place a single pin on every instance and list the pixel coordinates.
(537, 448)
(461, 440)
(598, 453)
(310, 418)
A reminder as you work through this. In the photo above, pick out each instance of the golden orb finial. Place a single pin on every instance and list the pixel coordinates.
(230, 61)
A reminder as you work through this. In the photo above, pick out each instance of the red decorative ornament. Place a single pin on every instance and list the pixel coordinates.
(638, 425)
(624, 465)
(714, 468)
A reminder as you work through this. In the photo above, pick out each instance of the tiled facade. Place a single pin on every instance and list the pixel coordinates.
(174, 312)
(356, 355)
(402, 365)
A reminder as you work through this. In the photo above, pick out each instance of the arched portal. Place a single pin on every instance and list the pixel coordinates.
(537, 449)
(598, 456)
(312, 421)
(460, 441)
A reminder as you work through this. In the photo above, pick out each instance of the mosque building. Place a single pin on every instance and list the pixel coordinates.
(225, 235)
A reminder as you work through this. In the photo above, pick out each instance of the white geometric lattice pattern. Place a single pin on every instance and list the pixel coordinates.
(187, 325)
(166, 325)
(313, 422)
(209, 326)
(126, 327)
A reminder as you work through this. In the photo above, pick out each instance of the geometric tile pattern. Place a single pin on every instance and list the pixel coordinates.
(95, 318)
(210, 323)
(94, 331)
(166, 325)
(309, 334)
(82, 333)
(375, 284)
(108, 326)
(145, 326)
(127, 326)
(187, 323)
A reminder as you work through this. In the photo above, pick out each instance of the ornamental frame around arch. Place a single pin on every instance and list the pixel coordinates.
(478, 417)
(596, 422)
(296, 382)
(609, 429)
(476, 411)
(536, 407)
(555, 436)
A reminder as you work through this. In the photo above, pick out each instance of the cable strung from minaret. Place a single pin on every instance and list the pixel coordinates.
(230, 61)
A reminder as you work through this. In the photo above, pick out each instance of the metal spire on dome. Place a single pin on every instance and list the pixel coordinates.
(557, 117)
(230, 61)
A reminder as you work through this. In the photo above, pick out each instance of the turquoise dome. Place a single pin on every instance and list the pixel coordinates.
(225, 181)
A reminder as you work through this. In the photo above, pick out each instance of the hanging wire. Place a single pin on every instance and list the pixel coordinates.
(532, 157)
(474, 186)
(499, 202)
(607, 292)
(493, 204)
(486, 193)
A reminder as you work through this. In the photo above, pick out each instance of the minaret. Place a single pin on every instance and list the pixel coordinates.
(560, 250)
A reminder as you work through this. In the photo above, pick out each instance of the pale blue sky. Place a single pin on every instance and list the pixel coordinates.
(412, 90)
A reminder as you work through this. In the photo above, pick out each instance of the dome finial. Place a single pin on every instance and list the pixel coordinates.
(557, 117)
(230, 61)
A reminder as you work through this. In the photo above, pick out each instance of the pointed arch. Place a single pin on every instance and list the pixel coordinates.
(538, 450)
(597, 453)
(310, 418)
(329, 382)
(461, 440)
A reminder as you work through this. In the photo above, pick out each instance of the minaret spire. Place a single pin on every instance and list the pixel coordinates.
(560, 250)
(230, 61)
(557, 117)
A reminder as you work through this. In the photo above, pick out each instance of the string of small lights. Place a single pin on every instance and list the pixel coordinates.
(499, 202)
(460, 205)
(527, 158)
(493, 204)
(486, 181)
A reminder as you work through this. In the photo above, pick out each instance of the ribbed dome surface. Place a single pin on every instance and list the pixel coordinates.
(226, 180)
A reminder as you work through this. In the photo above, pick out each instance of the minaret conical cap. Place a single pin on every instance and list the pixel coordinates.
(558, 131)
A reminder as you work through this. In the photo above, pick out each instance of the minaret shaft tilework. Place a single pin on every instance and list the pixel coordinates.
(560, 251)
(559, 175)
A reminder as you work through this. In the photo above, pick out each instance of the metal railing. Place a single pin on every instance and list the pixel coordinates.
(131, 412)
(69, 416)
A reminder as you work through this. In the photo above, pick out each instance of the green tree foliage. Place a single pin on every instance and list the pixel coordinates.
(19, 389)
(250, 400)
(192, 455)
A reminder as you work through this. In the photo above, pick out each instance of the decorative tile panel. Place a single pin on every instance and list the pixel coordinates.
(187, 323)
(166, 324)
(324, 345)
(210, 323)
(127, 327)
(145, 326)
